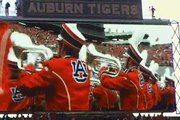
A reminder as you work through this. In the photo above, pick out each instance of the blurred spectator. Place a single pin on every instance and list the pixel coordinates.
(7, 8)
(0, 3)
(16, 5)
(152, 9)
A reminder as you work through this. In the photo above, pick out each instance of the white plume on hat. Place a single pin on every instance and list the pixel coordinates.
(167, 73)
(154, 69)
(136, 39)
(83, 53)
(154, 66)
(144, 55)
(161, 83)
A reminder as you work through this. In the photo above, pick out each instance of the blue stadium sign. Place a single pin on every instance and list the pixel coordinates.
(83, 9)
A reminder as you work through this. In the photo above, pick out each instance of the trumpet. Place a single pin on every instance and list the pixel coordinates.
(100, 60)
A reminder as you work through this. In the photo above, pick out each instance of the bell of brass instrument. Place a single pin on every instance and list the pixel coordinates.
(24, 51)
(104, 60)
(35, 57)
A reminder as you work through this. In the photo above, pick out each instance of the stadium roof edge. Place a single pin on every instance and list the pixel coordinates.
(109, 21)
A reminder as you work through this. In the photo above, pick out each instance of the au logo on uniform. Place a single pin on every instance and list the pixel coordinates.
(141, 80)
(80, 73)
(149, 88)
(16, 95)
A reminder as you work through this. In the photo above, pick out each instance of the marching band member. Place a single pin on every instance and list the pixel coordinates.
(155, 91)
(170, 86)
(130, 83)
(65, 81)
(148, 87)
(5, 44)
(12, 98)
(167, 95)
(104, 98)
(101, 98)
(16, 101)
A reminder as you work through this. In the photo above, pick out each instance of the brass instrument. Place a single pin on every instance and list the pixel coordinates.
(104, 60)
(24, 51)
(35, 57)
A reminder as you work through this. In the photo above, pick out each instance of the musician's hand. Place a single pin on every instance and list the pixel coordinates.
(102, 70)
(30, 68)
(122, 73)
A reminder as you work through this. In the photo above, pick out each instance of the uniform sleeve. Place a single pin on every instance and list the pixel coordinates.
(172, 96)
(116, 83)
(36, 83)
(97, 91)
(166, 91)
(156, 94)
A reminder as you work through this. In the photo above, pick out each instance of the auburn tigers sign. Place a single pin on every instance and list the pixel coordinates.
(83, 9)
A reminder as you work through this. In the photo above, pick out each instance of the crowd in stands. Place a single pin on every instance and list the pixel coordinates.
(161, 54)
